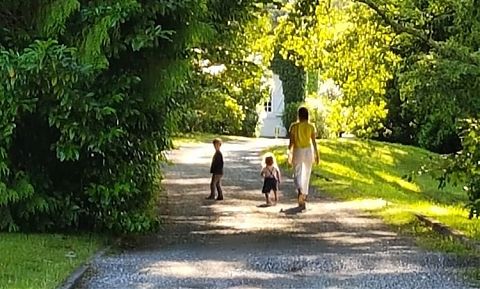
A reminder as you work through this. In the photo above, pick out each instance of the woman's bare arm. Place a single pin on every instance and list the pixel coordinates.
(292, 141)
(314, 142)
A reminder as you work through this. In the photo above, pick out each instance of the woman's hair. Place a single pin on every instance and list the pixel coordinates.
(217, 140)
(269, 160)
(302, 113)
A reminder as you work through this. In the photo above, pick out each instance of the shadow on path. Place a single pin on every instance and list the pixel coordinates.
(238, 243)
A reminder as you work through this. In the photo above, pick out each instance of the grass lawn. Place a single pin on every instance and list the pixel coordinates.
(371, 174)
(40, 261)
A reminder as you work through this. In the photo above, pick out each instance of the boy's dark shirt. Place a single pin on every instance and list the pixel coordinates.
(217, 164)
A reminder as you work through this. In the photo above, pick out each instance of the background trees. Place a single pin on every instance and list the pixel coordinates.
(91, 92)
(408, 71)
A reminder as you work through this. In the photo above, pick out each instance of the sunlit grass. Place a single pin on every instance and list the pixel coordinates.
(370, 171)
(41, 261)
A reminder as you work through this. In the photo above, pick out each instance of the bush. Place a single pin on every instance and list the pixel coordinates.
(86, 111)
(463, 167)
(72, 158)
(318, 118)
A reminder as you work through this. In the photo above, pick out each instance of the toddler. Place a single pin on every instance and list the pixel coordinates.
(271, 178)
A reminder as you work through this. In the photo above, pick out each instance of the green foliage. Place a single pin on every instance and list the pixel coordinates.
(227, 85)
(54, 15)
(290, 113)
(419, 60)
(90, 94)
(462, 167)
(436, 82)
(344, 42)
(293, 78)
(320, 111)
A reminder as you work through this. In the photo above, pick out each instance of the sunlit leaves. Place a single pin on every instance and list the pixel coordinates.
(346, 44)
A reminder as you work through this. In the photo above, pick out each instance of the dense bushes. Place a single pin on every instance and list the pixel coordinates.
(463, 166)
(90, 94)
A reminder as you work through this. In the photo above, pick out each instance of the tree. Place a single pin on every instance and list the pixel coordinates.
(91, 92)
(228, 83)
(343, 41)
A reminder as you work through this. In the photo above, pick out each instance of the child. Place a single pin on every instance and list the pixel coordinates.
(216, 169)
(271, 178)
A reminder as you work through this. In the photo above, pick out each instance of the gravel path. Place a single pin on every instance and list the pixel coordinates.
(237, 243)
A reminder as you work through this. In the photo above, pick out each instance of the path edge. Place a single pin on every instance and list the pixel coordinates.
(72, 281)
(448, 232)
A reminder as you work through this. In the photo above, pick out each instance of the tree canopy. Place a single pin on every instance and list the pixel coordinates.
(92, 91)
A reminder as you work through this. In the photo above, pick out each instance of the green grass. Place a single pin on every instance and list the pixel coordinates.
(371, 174)
(41, 261)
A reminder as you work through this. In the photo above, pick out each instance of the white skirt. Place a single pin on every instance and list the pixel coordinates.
(302, 162)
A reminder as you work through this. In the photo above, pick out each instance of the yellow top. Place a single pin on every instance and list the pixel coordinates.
(302, 132)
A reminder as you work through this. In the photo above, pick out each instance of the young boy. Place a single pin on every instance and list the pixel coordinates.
(216, 169)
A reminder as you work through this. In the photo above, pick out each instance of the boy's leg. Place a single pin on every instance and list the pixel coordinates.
(267, 199)
(218, 185)
(212, 189)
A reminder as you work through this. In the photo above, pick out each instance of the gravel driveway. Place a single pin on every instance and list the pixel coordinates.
(236, 243)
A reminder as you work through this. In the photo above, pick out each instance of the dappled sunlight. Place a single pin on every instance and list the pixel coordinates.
(397, 215)
(326, 150)
(245, 216)
(439, 210)
(400, 152)
(362, 204)
(211, 268)
(436, 210)
(353, 238)
(198, 155)
(344, 171)
(367, 204)
(404, 184)
(187, 181)
(385, 156)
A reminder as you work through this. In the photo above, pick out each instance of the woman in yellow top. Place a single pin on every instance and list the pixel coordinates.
(303, 149)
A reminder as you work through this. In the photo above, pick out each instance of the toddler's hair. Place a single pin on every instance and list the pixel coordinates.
(269, 160)
(217, 140)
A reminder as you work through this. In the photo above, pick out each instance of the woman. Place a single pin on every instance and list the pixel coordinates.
(303, 151)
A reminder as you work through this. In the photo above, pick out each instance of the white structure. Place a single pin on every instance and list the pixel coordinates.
(270, 117)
